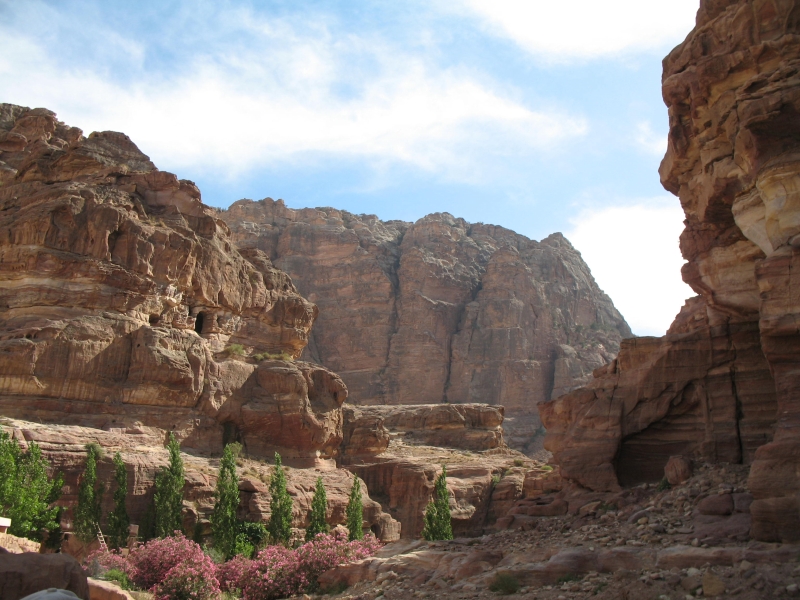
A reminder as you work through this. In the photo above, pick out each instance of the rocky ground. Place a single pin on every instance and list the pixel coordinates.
(686, 541)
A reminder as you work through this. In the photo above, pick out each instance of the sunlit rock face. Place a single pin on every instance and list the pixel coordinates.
(439, 310)
(124, 301)
(733, 92)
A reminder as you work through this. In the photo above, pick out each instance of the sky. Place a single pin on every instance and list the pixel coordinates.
(536, 115)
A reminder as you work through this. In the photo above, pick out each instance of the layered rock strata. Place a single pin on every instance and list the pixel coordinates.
(124, 302)
(439, 310)
(727, 374)
(400, 450)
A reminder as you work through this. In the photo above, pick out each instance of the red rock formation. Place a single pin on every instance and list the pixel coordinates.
(728, 373)
(123, 301)
(441, 309)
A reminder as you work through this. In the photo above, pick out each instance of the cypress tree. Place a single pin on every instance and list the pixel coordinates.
(280, 519)
(168, 497)
(355, 512)
(437, 513)
(319, 512)
(118, 521)
(223, 519)
(90, 496)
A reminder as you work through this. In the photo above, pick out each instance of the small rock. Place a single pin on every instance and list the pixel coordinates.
(792, 589)
(678, 469)
(691, 583)
(712, 585)
(693, 572)
(745, 565)
(695, 542)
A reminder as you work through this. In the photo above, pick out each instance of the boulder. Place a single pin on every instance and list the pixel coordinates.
(26, 573)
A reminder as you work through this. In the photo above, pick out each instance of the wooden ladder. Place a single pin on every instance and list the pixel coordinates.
(102, 540)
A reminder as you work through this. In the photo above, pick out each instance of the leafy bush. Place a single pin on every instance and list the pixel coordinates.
(235, 350)
(504, 583)
(663, 485)
(119, 577)
(100, 562)
(518, 462)
(250, 538)
(278, 572)
(282, 355)
(27, 494)
(150, 563)
(189, 580)
(231, 575)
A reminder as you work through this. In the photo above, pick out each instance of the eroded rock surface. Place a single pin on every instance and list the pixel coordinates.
(124, 302)
(440, 310)
(728, 372)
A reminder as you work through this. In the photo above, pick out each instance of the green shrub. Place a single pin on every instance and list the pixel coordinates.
(547, 468)
(663, 485)
(235, 350)
(282, 355)
(27, 494)
(518, 462)
(504, 583)
(119, 577)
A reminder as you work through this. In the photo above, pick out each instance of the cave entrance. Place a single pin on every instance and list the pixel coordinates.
(198, 322)
(230, 433)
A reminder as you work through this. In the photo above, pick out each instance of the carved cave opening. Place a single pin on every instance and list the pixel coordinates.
(230, 433)
(198, 322)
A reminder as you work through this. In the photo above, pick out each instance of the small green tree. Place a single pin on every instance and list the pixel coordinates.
(90, 497)
(27, 494)
(319, 512)
(355, 512)
(223, 518)
(280, 519)
(118, 521)
(168, 497)
(437, 513)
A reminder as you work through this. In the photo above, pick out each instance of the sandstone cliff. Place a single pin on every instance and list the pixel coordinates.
(123, 302)
(439, 310)
(724, 384)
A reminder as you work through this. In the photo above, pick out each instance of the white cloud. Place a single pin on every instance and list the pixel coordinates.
(279, 100)
(586, 29)
(633, 253)
(649, 141)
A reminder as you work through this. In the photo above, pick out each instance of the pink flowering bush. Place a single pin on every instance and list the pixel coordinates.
(102, 561)
(189, 580)
(231, 575)
(176, 568)
(278, 573)
(152, 562)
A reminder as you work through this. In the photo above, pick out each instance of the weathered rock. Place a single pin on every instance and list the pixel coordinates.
(18, 545)
(123, 302)
(716, 505)
(726, 377)
(105, 590)
(440, 310)
(678, 470)
(468, 426)
(27, 573)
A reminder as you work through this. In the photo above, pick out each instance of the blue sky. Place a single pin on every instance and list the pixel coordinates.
(536, 115)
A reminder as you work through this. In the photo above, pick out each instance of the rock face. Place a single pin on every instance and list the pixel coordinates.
(124, 303)
(724, 384)
(439, 310)
(367, 429)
